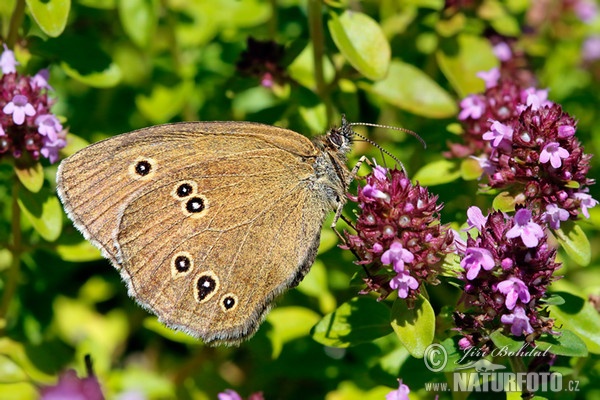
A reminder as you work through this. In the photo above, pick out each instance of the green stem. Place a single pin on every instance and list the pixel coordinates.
(13, 273)
(318, 41)
(518, 366)
(16, 20)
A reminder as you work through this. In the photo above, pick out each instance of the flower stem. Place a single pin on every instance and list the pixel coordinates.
(12, 277)
(317, 39)
(16, 20)
(518, 366)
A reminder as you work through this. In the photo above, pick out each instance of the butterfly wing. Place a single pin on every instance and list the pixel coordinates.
(207, 222)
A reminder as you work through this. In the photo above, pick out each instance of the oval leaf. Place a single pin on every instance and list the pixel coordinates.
(409, 88)
(565, 344)
(361, 40)
(579, 316)
(504, 202)
(460, 66)
(575, 242)
(139, 20)
(360, 320)
(414, 327)
(437, 173)
(50, 15)
(30, 174)
(43, 210)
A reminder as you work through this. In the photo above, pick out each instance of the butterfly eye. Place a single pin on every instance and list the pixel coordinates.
(229, 302)
(181, 264)
(207, 285)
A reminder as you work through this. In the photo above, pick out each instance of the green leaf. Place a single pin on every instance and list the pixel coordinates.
(152, 324)
(504, 202)
(30, 174)
(437, 173)
(579, 316)
(359, 320)
(414, 327)
(470, 169)
(410, 89)
(361, 40)
(460, 65)
(43, 211)
(575, 242)
(289, 323)
(566, 344)
(164, 102)
(139, 20)
(50, 15)
(78, 252)
(82, 59)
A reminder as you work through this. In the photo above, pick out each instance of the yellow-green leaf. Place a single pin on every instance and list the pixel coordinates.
(139, 19)
(461, 65)
(30, 174)
(575, 242)
(414, 327)
(361, 40)
(43, 211)
(409, 88)
(50, 15)
(359, 320)
(437, 173)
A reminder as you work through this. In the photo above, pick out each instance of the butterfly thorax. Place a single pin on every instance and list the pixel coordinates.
(330, 165)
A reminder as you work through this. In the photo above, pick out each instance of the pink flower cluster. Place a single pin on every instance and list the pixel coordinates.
(26, 123)
(510, 258)
(399, 238)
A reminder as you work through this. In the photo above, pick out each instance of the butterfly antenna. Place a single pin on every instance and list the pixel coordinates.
(395, 128)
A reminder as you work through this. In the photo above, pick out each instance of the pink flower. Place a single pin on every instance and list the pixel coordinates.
(498, 132)
(397, 256)
(554, 153)
(475, 218)
(490, 77)
(554, 215)
(402, 282)
(399, 394)
(49, 126)
(527, 230)
(502, 51)
(475, 259)
(19, 107)
(586, 201)
(514, 289)
(8, 62)
(519, 322)
(472, 107)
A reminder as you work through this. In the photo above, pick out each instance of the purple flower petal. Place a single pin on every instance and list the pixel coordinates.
(399, 394)
(402, 282)
(490, 77)
(514, 289)
(554, 153)
(397, 256)
(529, 231)
(8, 63)
(475, 259)
(475, 217)
(554, 215)
(472, 107)
(519, 322)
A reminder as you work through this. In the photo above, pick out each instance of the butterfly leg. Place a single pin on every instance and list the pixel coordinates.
(340, 208)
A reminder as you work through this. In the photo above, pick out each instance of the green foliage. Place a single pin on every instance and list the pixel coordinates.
(119, 65)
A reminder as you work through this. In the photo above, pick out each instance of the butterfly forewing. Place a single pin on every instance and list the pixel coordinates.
(209, 221)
